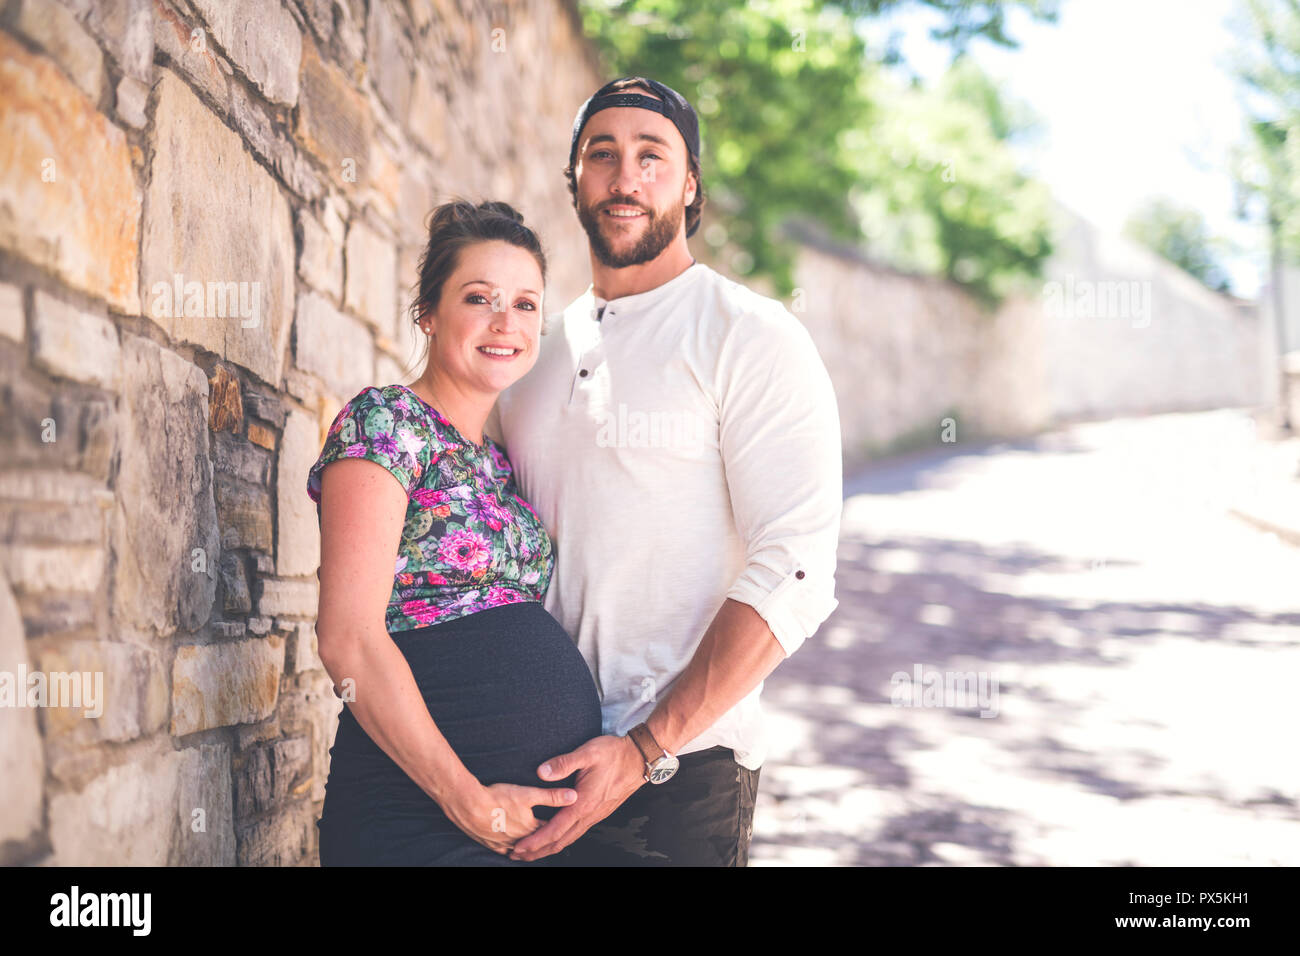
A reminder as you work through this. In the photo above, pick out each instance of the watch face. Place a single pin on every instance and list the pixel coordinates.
(664, 768)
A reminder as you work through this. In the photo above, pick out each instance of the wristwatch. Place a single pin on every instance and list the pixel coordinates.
(660, 765)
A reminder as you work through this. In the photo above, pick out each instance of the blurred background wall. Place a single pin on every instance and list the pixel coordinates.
(1113, 330)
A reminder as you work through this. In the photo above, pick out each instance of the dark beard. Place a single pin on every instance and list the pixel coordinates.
(659, 232)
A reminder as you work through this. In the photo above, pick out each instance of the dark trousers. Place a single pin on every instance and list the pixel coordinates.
(703, 816)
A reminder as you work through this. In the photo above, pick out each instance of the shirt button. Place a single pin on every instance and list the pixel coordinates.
(799, 575)
(582, 372)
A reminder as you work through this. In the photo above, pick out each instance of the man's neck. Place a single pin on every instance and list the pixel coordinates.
(610, 283)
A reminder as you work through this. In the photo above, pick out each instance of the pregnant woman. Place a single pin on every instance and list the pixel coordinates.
(458, 684)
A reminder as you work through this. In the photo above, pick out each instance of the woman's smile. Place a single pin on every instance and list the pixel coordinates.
(499, 354)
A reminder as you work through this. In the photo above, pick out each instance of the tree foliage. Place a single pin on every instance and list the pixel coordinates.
(1267, 167)
(1179, 233)
(939, 190)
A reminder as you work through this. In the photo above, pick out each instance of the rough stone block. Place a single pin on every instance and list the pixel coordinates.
(127, 816)
(12, 323)
(334, 120)
(56, 30)
(69, 201)
(269, 774)
(216, 685)
(206, 832)
(125, 28)
(333, 346)
(75, 344)
(297, 540)
(234, 580)
(243, 515)
(389, 57)
(284, 840)
(225, 406)
(260, 36)
(48, 427)
(288, 598)
(133, 684)
(34, 568)
(218, 248)
(321, 261)
(22, 755)
(232, 457)
(164, 531)
(372, 278)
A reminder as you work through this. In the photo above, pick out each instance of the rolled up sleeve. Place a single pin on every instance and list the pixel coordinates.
(780, 442)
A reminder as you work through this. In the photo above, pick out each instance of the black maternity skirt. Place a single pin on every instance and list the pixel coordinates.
(509, 689)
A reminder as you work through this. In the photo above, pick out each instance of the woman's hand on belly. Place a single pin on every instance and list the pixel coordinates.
(498, 815)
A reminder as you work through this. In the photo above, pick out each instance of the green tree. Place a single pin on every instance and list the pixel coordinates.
(791, 102)
(939, 190)
(1267, 166)
(1179, 234)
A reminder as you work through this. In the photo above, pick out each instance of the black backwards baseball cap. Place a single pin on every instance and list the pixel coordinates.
(670, 104)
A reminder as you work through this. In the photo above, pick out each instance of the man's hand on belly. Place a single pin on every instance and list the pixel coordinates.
(610, 769)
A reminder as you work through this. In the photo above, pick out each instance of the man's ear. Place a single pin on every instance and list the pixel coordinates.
(692, 187)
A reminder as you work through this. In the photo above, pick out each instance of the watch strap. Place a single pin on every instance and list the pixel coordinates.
(646, 743)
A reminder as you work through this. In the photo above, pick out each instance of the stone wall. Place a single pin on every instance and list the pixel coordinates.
(908, 352)
(211, 213)
(1178, 346)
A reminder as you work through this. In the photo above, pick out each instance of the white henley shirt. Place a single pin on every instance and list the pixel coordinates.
(682, 446)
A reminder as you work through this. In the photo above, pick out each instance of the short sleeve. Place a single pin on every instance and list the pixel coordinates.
(379, 425)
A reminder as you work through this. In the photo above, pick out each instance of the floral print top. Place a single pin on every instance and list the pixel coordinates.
(469, 541)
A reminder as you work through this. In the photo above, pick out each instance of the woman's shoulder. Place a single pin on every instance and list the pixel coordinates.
(392, 397)
(399, 402)
(383, 424)
(390, 410)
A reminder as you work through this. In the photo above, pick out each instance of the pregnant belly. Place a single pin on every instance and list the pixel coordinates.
(508, 689)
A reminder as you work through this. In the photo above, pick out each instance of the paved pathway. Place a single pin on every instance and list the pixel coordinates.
(1144, 644)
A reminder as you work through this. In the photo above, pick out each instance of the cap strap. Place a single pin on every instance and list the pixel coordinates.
(627, 99)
